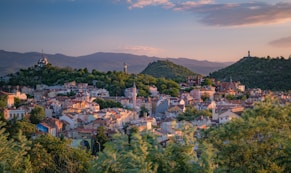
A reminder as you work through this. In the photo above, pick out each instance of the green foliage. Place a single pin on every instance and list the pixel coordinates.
(27, 128)
(143, 111)
(205, 97)
(168, 70)
(145, 154)
(264, 73)
(207, 82)
(22, 164)
(256, 143)
(114, 82)
(18, 102)
(37, 115)
(100, 139)
(59, 156)
(43, 154)
(167, 87)
(41, 160)
(13, 152)
(107, 103)
(3, 102)
(191, 113)
(6, 149)
(230, 97)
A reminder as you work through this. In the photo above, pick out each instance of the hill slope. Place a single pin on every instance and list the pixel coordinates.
(264, 73)
(11, 62)
(167, 70)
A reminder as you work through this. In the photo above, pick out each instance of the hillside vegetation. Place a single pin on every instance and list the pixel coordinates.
(167, 70)
(265, 73)
(114, 82)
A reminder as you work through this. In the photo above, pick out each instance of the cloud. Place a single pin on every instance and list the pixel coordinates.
(191, 4)
(284, 42)
(225, 14)
(144, 50)
(144, 3)
(256, 13)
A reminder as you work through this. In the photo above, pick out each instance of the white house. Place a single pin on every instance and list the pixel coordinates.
(70, 119)
(227, 116)
(9, 114)
(99, 93)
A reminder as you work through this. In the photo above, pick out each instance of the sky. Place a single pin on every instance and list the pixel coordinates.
(213, 30)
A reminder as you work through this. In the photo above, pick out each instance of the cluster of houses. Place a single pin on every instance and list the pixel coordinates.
(78, 116)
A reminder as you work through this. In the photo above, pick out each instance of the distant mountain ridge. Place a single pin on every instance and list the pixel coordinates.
(254, 72)
(11, 62)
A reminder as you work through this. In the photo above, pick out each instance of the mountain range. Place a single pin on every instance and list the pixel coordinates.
(11, 62)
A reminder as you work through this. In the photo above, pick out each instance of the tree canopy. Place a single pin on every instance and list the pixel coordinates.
(37, 115)
(259, 142)
(169, 70)
(113, 81)
(191, 113)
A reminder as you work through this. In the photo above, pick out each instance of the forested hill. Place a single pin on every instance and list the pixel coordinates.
(254, 72)
(113, 81)
(168, 70)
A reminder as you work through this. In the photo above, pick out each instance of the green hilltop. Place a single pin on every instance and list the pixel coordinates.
(115, 82)
(265, 73)
(168, 70)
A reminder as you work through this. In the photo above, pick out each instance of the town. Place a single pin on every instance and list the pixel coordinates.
(77, 116)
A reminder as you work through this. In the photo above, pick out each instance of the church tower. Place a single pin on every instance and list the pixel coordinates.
(125, 68)
(249, 54)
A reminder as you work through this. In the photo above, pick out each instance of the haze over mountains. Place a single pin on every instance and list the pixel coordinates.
(11, 62)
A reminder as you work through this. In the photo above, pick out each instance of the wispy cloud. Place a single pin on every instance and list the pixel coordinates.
(225, 14)
(284, 42)
(191, 4)
(256, 13)
(139, 49)
(144, 3)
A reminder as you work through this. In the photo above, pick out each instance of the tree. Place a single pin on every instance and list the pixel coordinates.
(205, 97)
(14, 126)
(65, 158)
(191, 113)
(6, 152)
(285, 159)
(37, 115)
(230, 97)
(22, 146)
(41, 160)
(107, 103)
(207, 82)
(17, 102)
(27, 128)
(13, 152)
(118, 156)
(3, 102)
(100, 139)
(143, 153)
(143, 111)
(254, 142)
